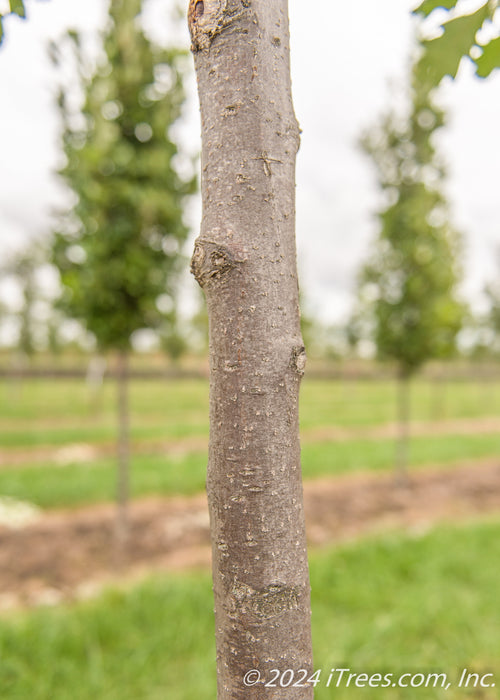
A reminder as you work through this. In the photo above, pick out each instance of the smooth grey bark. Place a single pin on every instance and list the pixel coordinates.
(245, 261)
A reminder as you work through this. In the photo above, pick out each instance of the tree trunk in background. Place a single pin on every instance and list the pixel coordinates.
(245, 261)
(123, 469)
(403, 437)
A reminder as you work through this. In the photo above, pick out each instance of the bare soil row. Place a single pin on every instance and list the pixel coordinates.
(72, 553)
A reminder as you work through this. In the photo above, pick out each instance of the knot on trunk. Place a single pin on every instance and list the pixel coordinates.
(206, 18)
(298, 359)
(210, 261)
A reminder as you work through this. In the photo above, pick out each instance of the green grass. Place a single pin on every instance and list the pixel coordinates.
(54, 414)
(59, 412)
(399, 605)
(51, 486)
(179, 401)
(366, 403)
(142, 644)
(76, 484)
(391, 604)
(322, 459)
(185, 402)
(97, 433)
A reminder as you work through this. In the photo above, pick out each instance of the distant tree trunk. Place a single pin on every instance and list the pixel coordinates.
(94, 380)
(123, 469)
(245, 261)
(17, 370)
(403, 437)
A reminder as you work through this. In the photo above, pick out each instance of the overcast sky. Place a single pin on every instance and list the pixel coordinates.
(349, 61)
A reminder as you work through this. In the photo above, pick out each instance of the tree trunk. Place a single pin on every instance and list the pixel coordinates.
(245, 261)
(123, 467)
(403, 420)
(94, 380)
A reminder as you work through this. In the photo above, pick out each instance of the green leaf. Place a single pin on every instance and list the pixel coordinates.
(17, 7)
(443, 55)
(429, 6)
(1, 29)
(489, 59)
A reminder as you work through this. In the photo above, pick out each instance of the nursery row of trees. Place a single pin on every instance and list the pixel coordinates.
(34, 322)
(129, 178)
(117, 252)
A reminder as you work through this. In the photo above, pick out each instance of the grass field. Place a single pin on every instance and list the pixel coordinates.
(169, 405)
(387, 604)
(169, 422)
(50, 486)
(390, 604)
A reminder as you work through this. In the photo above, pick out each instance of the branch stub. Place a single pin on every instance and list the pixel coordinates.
(210, 261)
(205, 20)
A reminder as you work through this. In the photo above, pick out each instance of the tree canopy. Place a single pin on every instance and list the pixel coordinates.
(16, 8)
(492, 321)
(461, 35)
(407, 288)
(118, 249)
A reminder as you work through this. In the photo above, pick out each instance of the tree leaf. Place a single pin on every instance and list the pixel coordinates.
(17, 7)
(489, 59)
(429, 6)
(443, 55)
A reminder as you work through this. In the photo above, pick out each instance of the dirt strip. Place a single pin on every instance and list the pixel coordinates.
(41, 455)
(72, 554)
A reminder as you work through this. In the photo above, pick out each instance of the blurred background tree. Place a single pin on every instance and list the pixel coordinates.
(459, 38)
(492, 320)
(173, 340)
(117, 249)
(199, 324)
(407, 303)
(25, 268)
(16, 8)
(32, 315)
